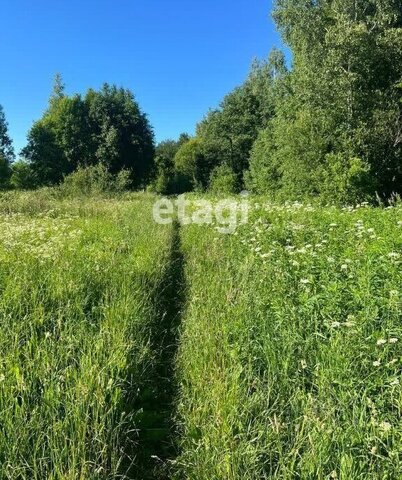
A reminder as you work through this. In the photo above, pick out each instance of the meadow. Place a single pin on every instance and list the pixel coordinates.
(136, 350)
(80, 292)
(290, 352)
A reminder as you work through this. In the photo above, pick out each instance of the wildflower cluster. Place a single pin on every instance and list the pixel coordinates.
(42, 237)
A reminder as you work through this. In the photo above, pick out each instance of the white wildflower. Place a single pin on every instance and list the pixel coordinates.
(385, 426)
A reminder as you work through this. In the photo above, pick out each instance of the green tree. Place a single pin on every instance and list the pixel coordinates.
(343, 98)
(22, 176)
(166, 178)
(61, 139)
(229, 133)
(223, 180)
(6, 150)
(192, 164)
(43, 153)
(121, 136)
(58, 89)
(265, 173)
(106, 126)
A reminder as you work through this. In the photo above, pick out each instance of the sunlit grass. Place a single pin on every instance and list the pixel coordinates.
(290, 343)
(77, 288)
(291, 346)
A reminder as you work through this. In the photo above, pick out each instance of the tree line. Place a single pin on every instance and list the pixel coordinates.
(329, 127)
(105, 126)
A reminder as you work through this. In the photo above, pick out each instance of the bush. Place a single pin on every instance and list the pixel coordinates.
(346, 180)
(4, 172)
(23, 177)
(191, 164)
(223, 180)
(95, 180)
(264, 176)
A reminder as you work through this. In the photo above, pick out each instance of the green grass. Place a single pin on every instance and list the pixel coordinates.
(291, 347)
(78, 288)
(277, 351)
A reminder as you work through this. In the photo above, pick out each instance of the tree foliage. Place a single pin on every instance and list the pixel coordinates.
(166, 177)
(342, 101)
(228, 133)
(223, 180)
(329, 127)
(192, 164)
(332, 125)
(6, 150)
(121, 136)
(107, 126)
(22, 176)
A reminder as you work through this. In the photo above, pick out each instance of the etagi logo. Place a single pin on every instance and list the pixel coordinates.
(226, 214)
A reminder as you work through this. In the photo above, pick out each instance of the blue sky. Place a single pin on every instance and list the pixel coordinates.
(179, 57)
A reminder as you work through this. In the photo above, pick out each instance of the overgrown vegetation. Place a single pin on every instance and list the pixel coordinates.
(290, 355)
(329, 127)
(142, 351)
(80, 288)
(103, 127)
(288, 333)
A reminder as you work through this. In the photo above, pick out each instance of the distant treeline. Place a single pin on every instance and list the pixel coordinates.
(103, 126)
(330, 126)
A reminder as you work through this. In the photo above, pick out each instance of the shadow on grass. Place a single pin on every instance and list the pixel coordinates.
(153, 444)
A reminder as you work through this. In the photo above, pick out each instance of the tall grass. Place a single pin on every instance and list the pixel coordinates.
(78, 282)
(291, 347)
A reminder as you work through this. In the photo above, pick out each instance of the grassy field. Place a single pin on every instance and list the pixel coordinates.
(80, 294)
(277, 350)
(291, 347)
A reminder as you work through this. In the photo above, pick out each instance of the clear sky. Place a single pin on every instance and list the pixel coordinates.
(179, 57)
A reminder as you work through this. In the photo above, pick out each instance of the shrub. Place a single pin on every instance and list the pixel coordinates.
(191, 164)
(23, 177)
(264, 175)
(4, 172)
(223, 180)
(95, 180)
(346, 180)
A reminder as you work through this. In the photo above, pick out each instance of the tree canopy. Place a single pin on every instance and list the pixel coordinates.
(105, 126)
(341, 116)
(6, 150)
